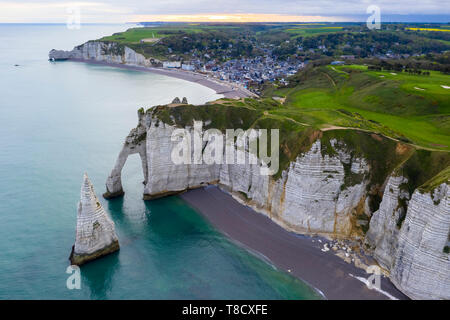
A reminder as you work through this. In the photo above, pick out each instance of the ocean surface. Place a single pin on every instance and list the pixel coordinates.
(58, 120)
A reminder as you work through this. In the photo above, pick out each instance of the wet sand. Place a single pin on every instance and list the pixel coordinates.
(285, 250)
(227, 89)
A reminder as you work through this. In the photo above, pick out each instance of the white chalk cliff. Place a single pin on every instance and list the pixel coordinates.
(413, 253)
(108, 52)
(421, 268)
(307, 198)
(314, 195)
(95, 235)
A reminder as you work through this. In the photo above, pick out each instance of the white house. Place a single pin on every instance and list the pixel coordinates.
(172, 64)
(188, 67)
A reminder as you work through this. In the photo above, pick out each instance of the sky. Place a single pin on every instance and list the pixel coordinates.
(121, 11)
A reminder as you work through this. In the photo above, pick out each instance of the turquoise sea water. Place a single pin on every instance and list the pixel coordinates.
(58, 120)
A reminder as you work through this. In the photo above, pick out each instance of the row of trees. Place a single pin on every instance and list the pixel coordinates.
(363, 44)
(413, 65)
(396, 68)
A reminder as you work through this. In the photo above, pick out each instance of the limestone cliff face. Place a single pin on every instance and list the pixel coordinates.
(96, 235)
(413, 251)
(108, 52)
(165, 177)
(382, 236)
(309, 197)
(422, 268)
(326, 189)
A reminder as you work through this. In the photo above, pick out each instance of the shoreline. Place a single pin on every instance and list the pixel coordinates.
(227, 89)
(296, 254)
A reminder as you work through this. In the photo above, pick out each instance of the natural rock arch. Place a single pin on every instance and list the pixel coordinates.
(134, 143)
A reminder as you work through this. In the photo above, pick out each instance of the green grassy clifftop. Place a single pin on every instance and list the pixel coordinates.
(411, 108)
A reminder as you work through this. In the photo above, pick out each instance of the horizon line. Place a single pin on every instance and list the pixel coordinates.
(229, 22)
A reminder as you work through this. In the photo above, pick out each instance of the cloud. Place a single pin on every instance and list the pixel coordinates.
(58, 12)
(135, 10)
(296, 7)
(235, 17)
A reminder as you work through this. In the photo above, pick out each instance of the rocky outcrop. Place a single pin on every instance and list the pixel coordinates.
(176, 100)
(96, 235)
(331, 187)
(108, 52)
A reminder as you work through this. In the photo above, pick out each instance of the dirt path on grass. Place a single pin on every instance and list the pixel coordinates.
(329, 78)
(329, 128)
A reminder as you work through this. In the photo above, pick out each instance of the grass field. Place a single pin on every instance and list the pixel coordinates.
(308, 31)
(414, 108)
(135, 35)
(429, 29)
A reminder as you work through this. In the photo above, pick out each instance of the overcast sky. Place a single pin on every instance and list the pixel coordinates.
(219, 10)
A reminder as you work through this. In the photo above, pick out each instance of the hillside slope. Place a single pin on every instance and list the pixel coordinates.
(411, 108)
